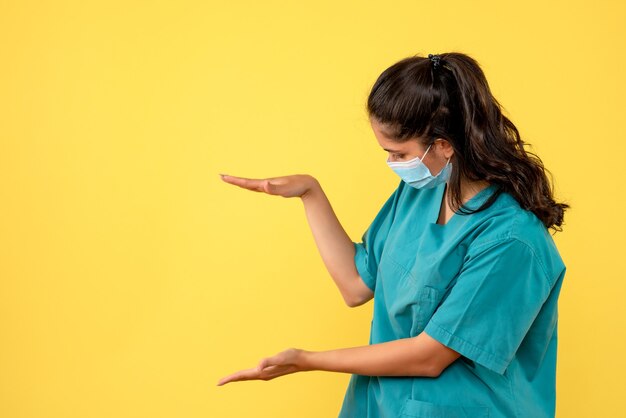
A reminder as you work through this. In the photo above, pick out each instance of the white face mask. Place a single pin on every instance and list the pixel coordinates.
(415, 173)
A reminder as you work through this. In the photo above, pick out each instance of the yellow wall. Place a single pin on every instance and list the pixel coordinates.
(132, 278)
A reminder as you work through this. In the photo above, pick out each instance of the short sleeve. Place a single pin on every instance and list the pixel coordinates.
(368, 251)
(497, 295)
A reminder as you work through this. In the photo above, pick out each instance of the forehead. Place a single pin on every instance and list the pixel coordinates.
(382, 134)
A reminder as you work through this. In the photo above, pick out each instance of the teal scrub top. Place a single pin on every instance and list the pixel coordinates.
(485, 285)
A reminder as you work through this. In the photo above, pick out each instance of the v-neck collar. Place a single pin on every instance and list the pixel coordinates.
(438, 202)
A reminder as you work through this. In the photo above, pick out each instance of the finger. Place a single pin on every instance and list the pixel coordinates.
(227, 379)
(223, 381)
(247, 374)
(246, 183)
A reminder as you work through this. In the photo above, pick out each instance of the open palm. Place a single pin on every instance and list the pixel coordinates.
(295, 185)
(283, 363)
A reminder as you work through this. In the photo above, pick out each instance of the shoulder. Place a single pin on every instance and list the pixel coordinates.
(507, 224)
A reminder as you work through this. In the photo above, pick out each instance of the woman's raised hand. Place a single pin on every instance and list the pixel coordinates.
(296, 185)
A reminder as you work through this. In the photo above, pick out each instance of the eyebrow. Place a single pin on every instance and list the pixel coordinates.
(392, 150)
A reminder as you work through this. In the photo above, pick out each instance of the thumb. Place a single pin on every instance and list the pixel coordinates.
(275, 360)
(262, 364)
(269, 187)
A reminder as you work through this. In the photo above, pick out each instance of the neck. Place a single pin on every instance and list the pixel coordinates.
(469, 189)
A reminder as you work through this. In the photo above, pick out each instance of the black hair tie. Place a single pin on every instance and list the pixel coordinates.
(436, 60)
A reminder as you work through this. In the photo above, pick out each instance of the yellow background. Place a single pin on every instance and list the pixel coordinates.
(132, 278)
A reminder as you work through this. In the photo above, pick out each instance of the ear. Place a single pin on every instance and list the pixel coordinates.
(444, 147)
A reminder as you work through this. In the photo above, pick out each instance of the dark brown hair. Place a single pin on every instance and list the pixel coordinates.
(414, 99)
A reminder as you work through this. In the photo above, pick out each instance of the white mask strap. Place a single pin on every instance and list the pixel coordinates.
(427, 149)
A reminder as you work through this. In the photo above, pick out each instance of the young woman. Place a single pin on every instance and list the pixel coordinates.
(464, 273)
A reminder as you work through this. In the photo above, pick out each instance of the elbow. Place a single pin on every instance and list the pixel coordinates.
(351, 302)
(360, 294)
(429, 369)
(357, 293)
(434, 371)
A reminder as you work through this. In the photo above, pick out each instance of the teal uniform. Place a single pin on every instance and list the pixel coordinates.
(486, 285)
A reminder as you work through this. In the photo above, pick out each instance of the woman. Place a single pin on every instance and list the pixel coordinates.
(464, 274)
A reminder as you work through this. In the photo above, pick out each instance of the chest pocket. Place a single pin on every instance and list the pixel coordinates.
(409, 302)
(428, 298)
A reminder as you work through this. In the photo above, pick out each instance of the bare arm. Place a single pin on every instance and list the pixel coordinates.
(415, 356)
(334, 245)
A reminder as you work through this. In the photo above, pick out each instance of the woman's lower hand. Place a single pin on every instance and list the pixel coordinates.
(296, 185)
(286, 362)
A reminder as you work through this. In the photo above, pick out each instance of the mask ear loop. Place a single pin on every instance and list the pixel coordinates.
(427, 149)
(447, 162)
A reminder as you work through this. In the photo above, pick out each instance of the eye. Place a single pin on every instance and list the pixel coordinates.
(398, 156)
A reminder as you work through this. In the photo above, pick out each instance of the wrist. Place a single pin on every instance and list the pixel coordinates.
(314, 188)
(305, 360)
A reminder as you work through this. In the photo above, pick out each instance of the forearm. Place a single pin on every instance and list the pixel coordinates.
(334, 245)
(403, 357)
